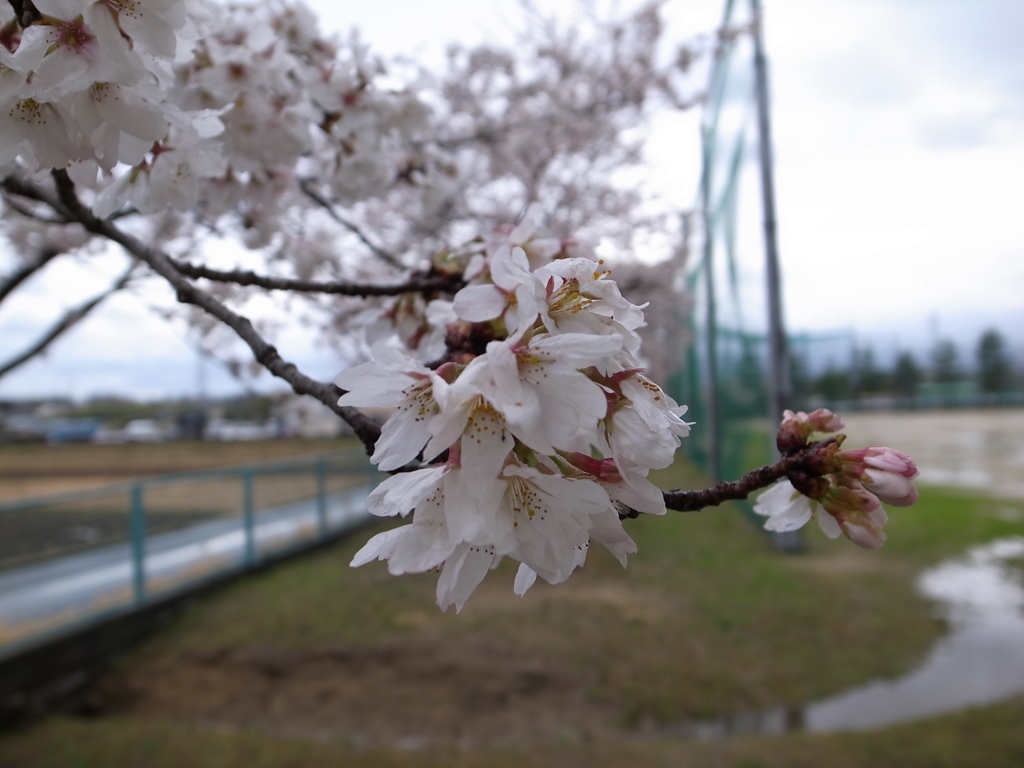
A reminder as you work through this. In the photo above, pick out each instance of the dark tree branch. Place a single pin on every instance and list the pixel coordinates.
(320, 200)
(24, 11)
(24, 272)
(24, 188)
(70, 319)
(68, 205)
(805, 462)
(27, 212)
(416, 284)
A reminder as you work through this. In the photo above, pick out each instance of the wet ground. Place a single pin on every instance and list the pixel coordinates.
(980, 661)
(319, 693)
(981, 449)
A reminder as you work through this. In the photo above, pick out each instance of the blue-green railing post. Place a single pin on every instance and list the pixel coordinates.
(138, 530)
(248, 518)
(321, 495)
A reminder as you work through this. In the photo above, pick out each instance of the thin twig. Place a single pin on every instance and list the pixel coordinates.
(326, 204)
(70, 319)
(24, 272)
(27, 212)
(804, 460)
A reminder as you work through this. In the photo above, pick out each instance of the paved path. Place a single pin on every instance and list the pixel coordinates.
(51, 596)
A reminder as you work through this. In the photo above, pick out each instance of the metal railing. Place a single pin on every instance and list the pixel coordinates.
(70, 559)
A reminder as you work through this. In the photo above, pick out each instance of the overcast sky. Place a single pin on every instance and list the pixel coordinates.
(899, 156)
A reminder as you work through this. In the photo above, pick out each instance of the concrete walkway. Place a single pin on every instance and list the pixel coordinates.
(50, 597)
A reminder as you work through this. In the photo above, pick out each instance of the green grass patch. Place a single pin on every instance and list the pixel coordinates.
(708, 620)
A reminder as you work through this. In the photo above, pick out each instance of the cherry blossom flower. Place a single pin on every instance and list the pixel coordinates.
(66, 54)
(546, 401)
(788, 510)
(394, 379)
(39, 132)
(545, 521)
(645, 424)
(514, 295)
(851, 490)
(121, 125)
(155, 26)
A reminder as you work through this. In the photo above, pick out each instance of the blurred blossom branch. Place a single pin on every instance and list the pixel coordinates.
(524, 419)
(65, 202)
(68, 321)
(316, 197)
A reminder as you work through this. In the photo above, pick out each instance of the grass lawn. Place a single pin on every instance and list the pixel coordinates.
(314, 663)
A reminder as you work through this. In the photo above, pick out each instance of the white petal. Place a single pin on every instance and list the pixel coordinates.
(787, 508)
(400, 494)
(525, 578)
(462, 573)
(399, 443)
(829, 525)
(379, 547)
(477, 303)
(510, 268)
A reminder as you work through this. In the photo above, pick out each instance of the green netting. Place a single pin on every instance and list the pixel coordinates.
(724, 377)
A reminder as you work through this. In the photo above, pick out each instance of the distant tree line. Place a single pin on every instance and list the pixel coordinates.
(943, 373)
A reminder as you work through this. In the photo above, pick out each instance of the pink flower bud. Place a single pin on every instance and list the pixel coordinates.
(797, 427)
(864, 536)
(823, 420)
(890, 460)
(859, 513)
(890, 487)
(885, 472)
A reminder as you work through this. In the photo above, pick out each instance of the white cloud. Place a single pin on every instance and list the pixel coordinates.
(899, 144)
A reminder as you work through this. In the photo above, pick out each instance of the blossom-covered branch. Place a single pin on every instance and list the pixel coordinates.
(524, 413)
(68, 204)
(376, 250)
(244, 122)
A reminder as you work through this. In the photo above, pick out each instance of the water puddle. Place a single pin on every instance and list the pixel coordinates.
(980, 661)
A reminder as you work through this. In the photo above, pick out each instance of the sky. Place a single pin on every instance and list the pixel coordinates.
(898, 138)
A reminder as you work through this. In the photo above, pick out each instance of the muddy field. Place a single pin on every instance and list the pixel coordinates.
(978, 449)
(408, 693)
(34, 469)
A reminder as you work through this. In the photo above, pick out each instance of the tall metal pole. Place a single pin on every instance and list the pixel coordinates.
(779, 386)
(778, 368)
(713, 414)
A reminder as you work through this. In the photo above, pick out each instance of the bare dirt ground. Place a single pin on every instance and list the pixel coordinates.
(408, 694)
(35, 468)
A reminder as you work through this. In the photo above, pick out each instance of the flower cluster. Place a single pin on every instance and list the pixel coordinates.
(173, 103)
(85, 81)
(541, 421)
(848, 495)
